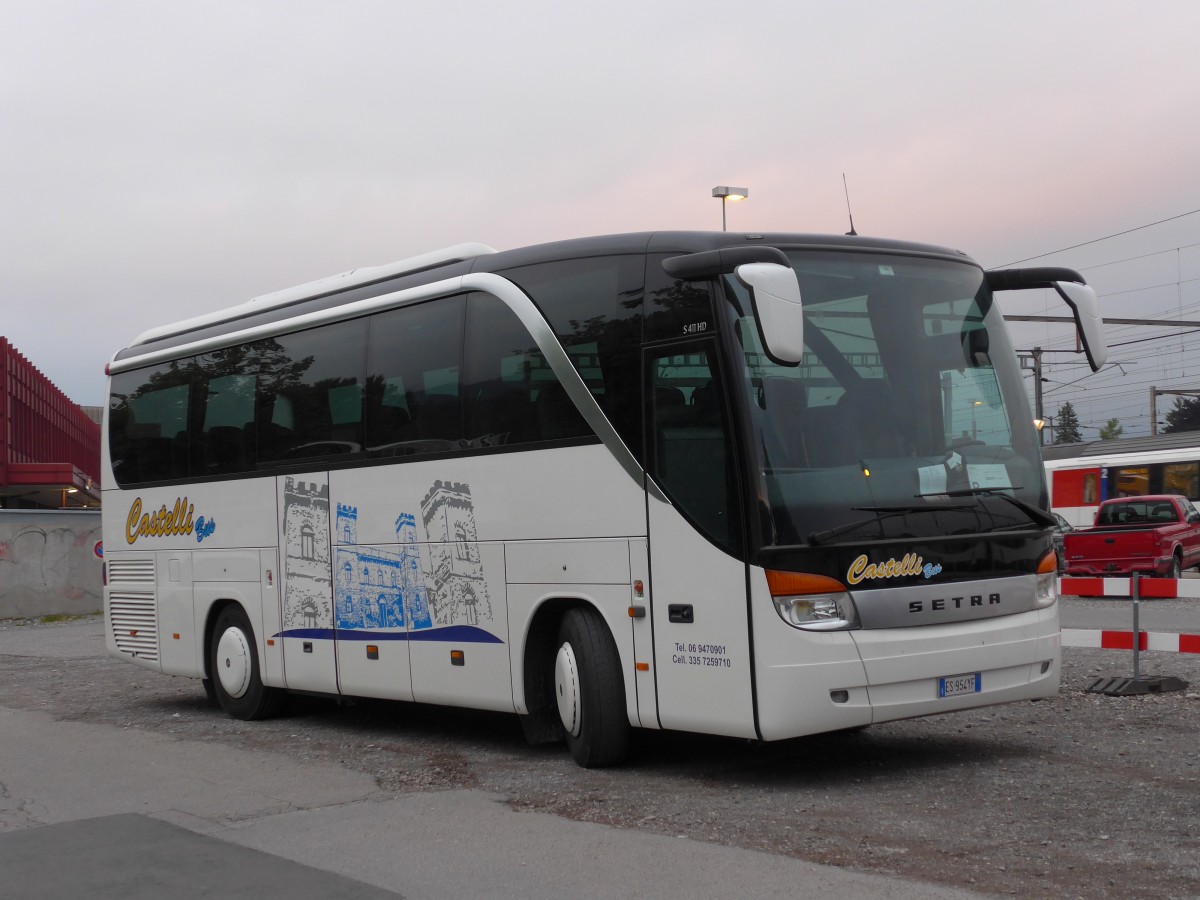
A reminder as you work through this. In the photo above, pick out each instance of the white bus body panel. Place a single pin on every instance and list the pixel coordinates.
(306, 583)
(702, 665)
(642, 629)
(1010, 652)
(892, 673)
(476, 627)
(458, 530)
(160, 543)
(796, 670)
(600, 573)
(182, 655)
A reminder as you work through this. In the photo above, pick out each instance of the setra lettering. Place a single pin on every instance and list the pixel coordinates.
(941, 604)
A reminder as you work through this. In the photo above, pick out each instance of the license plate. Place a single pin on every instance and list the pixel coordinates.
(953, 685)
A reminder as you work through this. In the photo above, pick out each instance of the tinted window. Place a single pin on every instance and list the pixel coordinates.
(691, 448)
(390, 385)
(413, 398)
(595, 308)
(675, 308)
(511, 396)
(148, 422)
(310, 396)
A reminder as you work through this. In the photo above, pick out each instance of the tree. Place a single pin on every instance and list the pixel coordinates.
(1184, 416)
(1112, 430)
(1066, 425)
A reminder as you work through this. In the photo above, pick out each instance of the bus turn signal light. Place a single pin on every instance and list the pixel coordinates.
(1046, 588)
(1049, 563)
(792, 583)
(812, 602)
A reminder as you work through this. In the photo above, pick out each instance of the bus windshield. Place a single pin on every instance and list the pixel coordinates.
(907, 415)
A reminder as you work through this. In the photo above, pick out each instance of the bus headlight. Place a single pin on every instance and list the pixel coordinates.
(812, 602)
(1046, 589)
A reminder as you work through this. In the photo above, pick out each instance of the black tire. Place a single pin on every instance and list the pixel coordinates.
(589, 690)
(1176, 567)
(234, 672)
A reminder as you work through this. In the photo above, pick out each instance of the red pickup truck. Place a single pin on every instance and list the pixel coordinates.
(1158, 534)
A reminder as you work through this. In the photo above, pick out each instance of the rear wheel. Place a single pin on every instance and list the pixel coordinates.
(590, 691)
(234, 672)
(1176, 567)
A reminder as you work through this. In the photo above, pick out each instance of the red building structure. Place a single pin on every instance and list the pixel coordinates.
(49, 447)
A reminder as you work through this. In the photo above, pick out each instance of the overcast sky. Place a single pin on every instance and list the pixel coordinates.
(161, 159)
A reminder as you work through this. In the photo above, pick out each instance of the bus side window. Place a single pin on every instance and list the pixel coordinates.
(414, 379)
(148, 423)
(594, 306)
(227, 437)
(510, 394)
(310, 390)
(690, 440)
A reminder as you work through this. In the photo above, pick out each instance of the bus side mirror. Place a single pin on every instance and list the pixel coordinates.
(775, 293)
(1086, 309)
(1078, 295)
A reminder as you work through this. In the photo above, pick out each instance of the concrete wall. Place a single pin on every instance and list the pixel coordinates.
(48, 563)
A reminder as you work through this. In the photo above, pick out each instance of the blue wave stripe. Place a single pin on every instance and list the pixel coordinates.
(459, 634)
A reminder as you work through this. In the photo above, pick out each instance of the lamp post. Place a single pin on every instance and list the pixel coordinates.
(729, 193)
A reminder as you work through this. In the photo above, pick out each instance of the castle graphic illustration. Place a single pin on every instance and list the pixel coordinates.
(378, 587)
(457, 590)
(408, 586)
(306, 597)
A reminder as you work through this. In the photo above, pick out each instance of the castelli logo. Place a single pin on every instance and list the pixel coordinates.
(862, 569)
(166, 522)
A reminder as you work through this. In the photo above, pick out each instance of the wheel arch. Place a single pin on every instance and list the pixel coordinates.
(538, 646)
(212, 599)
(535, 688)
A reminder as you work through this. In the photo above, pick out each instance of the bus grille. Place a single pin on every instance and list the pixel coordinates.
(132, 607)
(132, 571)
(134, 623)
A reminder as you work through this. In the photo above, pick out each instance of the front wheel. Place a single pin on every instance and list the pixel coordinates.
(234, 672)
(590, 691)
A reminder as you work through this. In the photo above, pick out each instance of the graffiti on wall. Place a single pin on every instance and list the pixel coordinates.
(47, 564)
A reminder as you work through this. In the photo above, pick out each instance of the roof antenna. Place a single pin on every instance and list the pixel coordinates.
(851, 232)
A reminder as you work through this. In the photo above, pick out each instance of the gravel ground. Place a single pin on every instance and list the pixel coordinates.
(1082, 795)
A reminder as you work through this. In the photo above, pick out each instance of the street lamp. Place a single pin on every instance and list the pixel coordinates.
(729, 193)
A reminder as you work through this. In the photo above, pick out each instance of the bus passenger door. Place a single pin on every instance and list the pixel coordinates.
(697, 580)
(309, 653)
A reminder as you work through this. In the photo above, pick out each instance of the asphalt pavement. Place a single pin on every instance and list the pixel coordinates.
(115, 812)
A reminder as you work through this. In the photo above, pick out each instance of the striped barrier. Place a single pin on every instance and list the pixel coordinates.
(1148, 588)
(1166, 642)
(1135, 589)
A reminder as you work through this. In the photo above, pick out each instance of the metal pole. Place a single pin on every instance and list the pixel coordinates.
(1137, 636)
(1037, 393)
(723, 199)
(1153, 410)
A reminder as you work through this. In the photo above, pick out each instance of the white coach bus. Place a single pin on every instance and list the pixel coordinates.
(751, 485)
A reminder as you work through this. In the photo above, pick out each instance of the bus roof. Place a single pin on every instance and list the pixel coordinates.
(461, 259)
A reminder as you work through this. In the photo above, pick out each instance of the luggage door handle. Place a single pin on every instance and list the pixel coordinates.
(681, 613)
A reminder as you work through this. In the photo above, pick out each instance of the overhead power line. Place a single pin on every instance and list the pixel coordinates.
(1099, 239)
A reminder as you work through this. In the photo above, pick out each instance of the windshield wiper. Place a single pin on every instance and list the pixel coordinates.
(884, 512)
(1036, 513)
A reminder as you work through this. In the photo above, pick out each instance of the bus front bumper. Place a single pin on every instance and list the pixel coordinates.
(907, 672)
